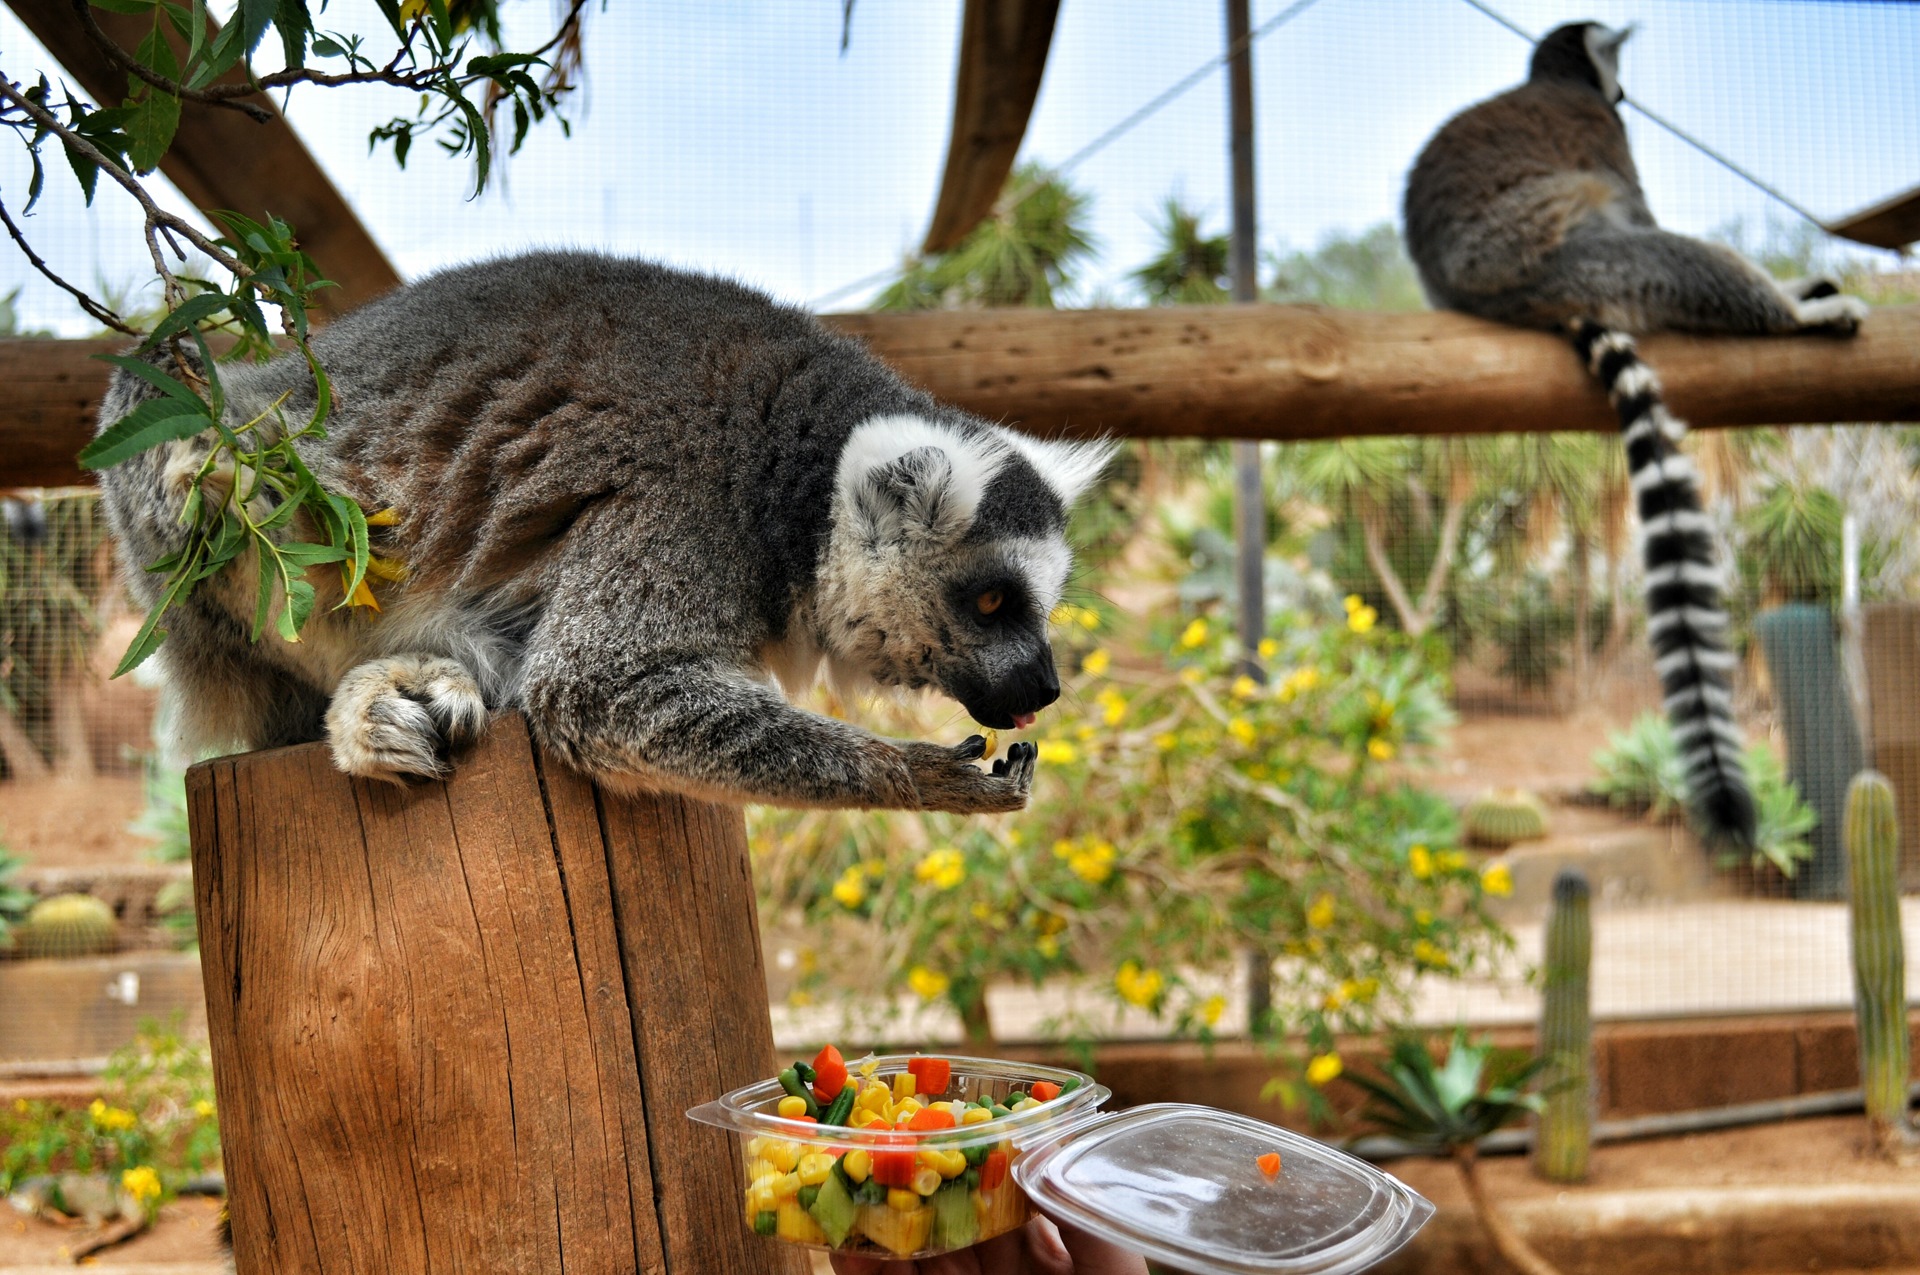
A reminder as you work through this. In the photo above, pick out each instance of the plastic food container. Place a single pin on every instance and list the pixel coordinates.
(1180, 1184)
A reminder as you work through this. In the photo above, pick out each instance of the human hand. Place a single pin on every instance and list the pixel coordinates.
(1039, 1248)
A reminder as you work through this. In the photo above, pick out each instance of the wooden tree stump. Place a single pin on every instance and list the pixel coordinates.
(457, 1027)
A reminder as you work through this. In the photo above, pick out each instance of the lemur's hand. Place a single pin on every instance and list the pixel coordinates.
(947, 779)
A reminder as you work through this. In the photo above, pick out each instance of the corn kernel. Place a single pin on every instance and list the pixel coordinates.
(947, 1163)
(904, 1084)
(858, 1164)
(792, 1105)
(904, 1201)
(975, 1115)
(786, 1186)
(905, 1111)
(783, 1154)
(757, 1169)
(755, 1145)
(873, 1097)
(925, 1181)
(862, 1119)
(761, 1200)
(816, 1168)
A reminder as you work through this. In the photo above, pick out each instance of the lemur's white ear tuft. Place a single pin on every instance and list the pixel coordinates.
(1069, 467)
(904, 477)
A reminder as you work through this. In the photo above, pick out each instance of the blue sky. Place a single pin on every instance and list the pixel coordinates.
(733, 136)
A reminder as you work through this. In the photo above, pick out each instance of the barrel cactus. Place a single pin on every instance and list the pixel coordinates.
(1500, 818)
(1563, 1132)
(1872, 837)
(67, 925)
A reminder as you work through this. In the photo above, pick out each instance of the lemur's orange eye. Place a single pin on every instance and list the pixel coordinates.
(990, 601)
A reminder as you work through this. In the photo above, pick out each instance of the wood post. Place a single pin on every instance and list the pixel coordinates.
(457, 1026)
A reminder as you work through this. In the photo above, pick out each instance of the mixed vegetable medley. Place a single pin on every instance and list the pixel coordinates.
(942, 1184)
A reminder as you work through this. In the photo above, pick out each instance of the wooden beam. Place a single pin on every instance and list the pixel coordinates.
(1003, 51)
(1893, 223)
(221, 159)
(1276, 372)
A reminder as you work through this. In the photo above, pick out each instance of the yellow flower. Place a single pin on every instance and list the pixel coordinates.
(874, 868)
(799, 998)
(1320, 915)
(1085, 734)
(981, 910)
(1360, 990)
(1242, 729)
(142, 1183)
(1165, 741)
(1268, 648)
(1057, 752)
(1063, 849)
(1137, 986)
(20, 1106)
(1097, 662)
(1352, 602)
(1301, 679)
(1063, 614)
(1497, 880)
(1422, 917)
(1113, 704)
(203, 1108)
(1193, 635)
(1420, 861)
(1379, 750)
(112, 1119)
(1323, 1068)
(1093, 864)
(1362, 620)
(944, 868)
(850, 891)
(1430, 955)
(1211, 1009)
(1450, 860)
(1244, 687)
(1047, 945)
(927, 984)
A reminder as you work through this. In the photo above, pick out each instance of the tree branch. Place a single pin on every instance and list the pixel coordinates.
(96, 310)
(133, 66)
(1410, 619)
(1456, 512)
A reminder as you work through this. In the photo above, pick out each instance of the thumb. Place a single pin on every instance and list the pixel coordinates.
(1094, 1256)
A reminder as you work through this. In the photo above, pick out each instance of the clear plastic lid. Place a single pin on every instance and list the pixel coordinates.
(1183, 1185)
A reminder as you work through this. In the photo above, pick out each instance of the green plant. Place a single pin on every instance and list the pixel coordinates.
(14, 901)
(1640, 770)
(1504, 817)
(1780, 831)
(1191, 267)
(155, 1111)
(1563, 1134)
(1446, 1109)
(1872, 836)
(1024, 253)
(53, 573)
(1533, 631)
(1184, 814)
(68, 925)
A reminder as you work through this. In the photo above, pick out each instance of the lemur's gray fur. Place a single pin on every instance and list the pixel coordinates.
(1526, 209)
(631, 501)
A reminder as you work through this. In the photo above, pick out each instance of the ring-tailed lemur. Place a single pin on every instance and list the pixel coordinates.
(630, 501)
(1527, 209)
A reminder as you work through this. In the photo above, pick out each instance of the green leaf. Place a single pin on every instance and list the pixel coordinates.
(293, 616)
(154, 377)
(153, 422)
(192, 312)
(151, 635)
(263, 596)
(295, 25)
(309, 555)
(325, 48)
(255, 17)
(125, 6)
(156, 115)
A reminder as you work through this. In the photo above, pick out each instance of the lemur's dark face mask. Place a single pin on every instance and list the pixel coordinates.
(1001, 667)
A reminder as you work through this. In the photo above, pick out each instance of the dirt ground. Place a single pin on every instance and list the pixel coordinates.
(73, 823)
(184, 1233)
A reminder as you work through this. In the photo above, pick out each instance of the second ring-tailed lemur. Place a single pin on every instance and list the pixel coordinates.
(1527, 209)
(632, 500)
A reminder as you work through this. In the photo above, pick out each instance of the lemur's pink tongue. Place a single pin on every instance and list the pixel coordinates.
(1022, 720)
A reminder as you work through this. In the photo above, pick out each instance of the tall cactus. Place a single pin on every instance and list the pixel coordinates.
(1563, 1133)
(1872, 836)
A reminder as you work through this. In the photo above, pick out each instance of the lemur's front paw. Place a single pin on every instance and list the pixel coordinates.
(404, 717)
(947, 779)
(1838, 315)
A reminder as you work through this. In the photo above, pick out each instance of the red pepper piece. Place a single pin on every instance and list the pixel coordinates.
(1044, 1091)
(829, 1074)
(928, 1118)
(930, 1075)
(993, 1172)
(893, 1168)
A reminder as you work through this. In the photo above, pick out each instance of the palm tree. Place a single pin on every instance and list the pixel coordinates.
(1446, 1109)
(1025, 253)
(1191, 267)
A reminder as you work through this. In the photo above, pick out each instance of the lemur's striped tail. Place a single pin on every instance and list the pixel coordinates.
(1686, 621)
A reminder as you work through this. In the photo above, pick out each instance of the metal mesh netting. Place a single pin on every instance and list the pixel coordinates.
(740, 139)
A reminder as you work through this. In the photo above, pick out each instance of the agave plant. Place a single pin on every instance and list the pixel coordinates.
(1447, 1108)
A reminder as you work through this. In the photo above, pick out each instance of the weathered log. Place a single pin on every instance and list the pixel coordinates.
(457, 1026)
(1278, 372)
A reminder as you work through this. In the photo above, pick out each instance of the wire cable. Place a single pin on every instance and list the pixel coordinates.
(1126, 125)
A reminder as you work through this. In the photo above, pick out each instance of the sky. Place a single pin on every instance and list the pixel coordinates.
(733, 136)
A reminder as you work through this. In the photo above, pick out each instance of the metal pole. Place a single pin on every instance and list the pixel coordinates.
(1250, 503)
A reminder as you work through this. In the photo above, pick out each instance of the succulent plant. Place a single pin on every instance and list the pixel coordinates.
(1563, 1133)
(1502, 817)
(67, 925)
(1872, 837)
